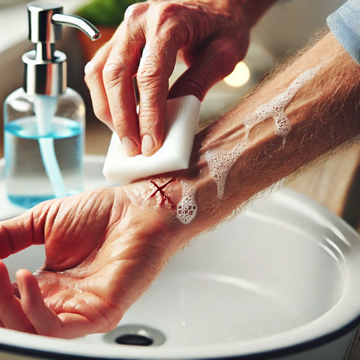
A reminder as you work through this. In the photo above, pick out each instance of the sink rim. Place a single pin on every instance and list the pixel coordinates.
(342, 318)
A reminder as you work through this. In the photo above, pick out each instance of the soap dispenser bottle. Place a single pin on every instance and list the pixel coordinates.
(44, 121)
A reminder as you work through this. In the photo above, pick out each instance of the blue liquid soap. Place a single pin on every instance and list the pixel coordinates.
(27, 180)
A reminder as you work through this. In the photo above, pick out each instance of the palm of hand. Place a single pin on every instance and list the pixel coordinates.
(97, 246)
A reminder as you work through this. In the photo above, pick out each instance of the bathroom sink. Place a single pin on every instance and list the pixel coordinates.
(279, 280)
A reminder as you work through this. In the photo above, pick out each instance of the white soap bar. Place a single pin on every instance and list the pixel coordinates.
(182, 117)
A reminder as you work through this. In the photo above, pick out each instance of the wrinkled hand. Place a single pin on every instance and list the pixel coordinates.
(211, 36)
(103, 249)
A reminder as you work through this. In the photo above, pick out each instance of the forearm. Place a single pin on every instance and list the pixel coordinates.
(324, 114)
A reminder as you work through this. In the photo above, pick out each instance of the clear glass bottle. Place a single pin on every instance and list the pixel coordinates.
(44, 121)
(27, 180)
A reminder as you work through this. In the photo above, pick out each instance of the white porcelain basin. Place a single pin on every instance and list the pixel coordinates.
(280, 279)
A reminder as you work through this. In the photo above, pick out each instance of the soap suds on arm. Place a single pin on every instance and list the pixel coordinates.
(187, 207)
(221, 162)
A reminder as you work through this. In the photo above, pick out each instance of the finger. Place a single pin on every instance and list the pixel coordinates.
(43, 319)
(23, 231)
(82, 312)
(75, 315)
(74, 325)
(11, 313)
(156, 66)
(118, 73)
(211, 65)
(94, 81)
(167, 32)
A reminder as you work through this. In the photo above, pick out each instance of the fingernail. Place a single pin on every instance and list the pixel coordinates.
(130, 146)
(147, 145)
(89, 67)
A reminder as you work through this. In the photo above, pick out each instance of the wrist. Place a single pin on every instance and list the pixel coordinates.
(157, 198)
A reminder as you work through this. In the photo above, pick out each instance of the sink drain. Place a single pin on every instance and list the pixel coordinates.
(136, 335)
(133, 339)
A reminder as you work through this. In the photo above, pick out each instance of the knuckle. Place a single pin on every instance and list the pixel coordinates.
(169, 18)
(150, 73)
(164, 13)
(93, 75)
(113, 69)
(148, 118)
(149, 101)
(151, 106)
(113, 72)
(151, 123)
(164, 9)
(135, 10)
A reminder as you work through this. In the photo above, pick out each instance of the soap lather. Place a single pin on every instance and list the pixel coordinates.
(44, 121)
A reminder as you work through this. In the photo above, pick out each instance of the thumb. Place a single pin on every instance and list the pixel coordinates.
(212, 64)
(23, 231)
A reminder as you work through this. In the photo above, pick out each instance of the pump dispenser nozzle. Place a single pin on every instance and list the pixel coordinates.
(79, 23)
(45, 68)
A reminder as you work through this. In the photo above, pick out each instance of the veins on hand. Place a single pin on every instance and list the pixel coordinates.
(163, 198)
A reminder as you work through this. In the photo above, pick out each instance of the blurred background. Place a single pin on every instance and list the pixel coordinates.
(286, 28)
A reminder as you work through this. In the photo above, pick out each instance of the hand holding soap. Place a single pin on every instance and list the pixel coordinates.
(182, 117)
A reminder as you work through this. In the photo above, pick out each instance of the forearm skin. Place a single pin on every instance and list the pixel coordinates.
(324, 115)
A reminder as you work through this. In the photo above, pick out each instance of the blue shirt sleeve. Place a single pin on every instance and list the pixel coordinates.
(344, 23)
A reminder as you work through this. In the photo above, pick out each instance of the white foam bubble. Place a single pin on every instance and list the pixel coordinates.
(221, 162)
(187, 207)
